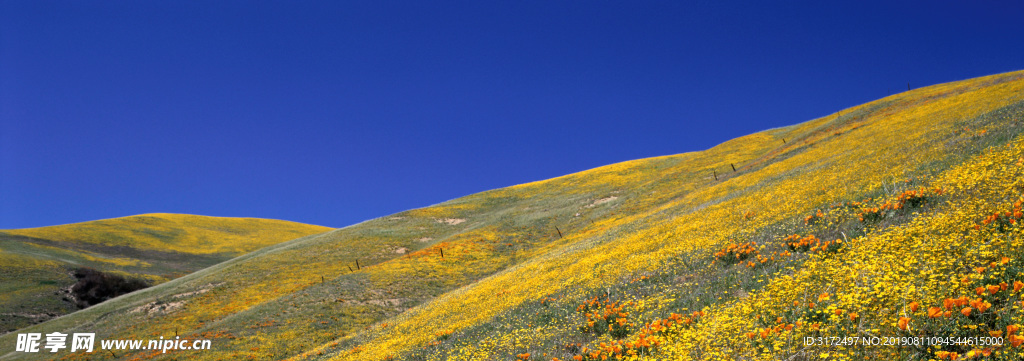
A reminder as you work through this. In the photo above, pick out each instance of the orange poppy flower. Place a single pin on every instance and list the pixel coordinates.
(1017, 285)
(853, 316)
(903, 323)
(966, 311)
(914, 306)
(1016, 340)
(1012, 329)
(992, 289)
(975, 302)
(934, 312)
(983, 306)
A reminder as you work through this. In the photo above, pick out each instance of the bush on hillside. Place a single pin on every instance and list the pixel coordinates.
(94, 286)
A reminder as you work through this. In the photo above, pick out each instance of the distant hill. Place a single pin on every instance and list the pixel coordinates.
(36, 264)
(899, 217)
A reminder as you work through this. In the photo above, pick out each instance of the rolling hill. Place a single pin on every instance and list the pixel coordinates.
(37, 263)
(898, 217)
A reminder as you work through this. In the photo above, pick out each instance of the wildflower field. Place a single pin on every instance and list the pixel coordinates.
(898, 219)
(37, 263)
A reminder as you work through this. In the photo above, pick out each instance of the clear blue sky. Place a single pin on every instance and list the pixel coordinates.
(339, 111)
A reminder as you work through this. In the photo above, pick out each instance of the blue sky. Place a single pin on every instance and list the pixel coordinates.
(339, 111)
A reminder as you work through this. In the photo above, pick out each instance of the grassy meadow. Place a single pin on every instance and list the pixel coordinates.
(36, 263)
(899, 217)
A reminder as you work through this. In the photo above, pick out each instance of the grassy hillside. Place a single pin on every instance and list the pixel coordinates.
(862, 222)
(36, 263)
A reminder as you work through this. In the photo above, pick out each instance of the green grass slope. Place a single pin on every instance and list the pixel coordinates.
(36, 263)
(639, 259)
